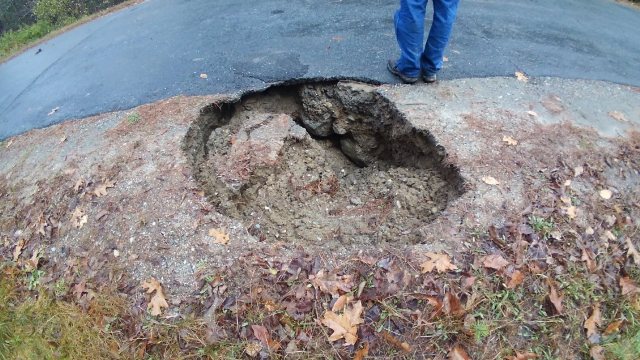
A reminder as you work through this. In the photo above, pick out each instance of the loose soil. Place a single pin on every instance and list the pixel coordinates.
(362, 175)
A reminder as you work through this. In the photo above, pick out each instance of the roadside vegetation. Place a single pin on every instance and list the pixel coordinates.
(23, 22)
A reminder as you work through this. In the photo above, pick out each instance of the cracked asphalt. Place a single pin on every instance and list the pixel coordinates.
(159, 48)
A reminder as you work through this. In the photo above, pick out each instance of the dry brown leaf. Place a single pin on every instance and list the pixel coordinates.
(555, 299)
(592, 323)
(78, 218)
(577, 171)
(158, 300)
(606, 194)
(219, 236)
(490, 180)
(632, 252)
(440, 262)
(451, 305)
(590, 258)
(101, 190)
(345, 325)
(495, 261)
(521, 76)
(340, 303)
(571, 211)
(261, 333)
(395, 342)
(532, 113)
(523, 356)
(17, 251)
(510, 141)
(597, 353)
(332, 283)
(362, 352)
(614, 327)
(566, 200)
(458, 353)
(628, 287)
(516, 279)
(617, 115)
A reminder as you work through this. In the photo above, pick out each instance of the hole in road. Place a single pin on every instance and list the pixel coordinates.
(321, 162)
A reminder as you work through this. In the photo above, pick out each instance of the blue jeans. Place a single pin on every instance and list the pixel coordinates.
(409, 23)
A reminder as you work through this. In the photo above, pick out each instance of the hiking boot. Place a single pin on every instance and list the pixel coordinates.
(429, 78)
(391, 66)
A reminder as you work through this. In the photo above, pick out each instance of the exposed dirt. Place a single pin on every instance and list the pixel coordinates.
(365, 176)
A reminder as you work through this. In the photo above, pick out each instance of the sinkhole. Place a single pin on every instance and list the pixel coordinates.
(321, 162)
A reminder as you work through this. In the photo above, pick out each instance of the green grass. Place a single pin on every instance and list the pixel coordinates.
(13, 41)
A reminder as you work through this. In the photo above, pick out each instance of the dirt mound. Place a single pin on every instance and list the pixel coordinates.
(321, 163)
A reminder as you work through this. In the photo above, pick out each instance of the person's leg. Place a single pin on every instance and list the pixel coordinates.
(409, 24)
(444, 14)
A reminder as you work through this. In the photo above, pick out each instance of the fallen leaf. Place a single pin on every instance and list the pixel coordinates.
(589, 231)
(577, 171)
(340, 303)
(516, 279)
(589, 257)
(17, 251)
(468, 281)
(617, 115)
(523, 356)
(253, 348)
(362, 352)
(79, 184)
(592, 323)
(614, 327)
(458, 353)
(510, 141)
(555, 299)
(608, 235)
(521, 76)
(78, 218)
(158, 300)
(490, 180)
(219, 236)
(532, 113)
(262, 334)
(345, 325)
(101, 190)
(451, 305)
(440, 262)
(606, 194)
(566, 200)
(495, 261)
(571, 211)
(331, 283)
(597, 353)
(53, 111)
(395, 342)
(632, 252)
(567, 183)
(628, 287)
(203, 76)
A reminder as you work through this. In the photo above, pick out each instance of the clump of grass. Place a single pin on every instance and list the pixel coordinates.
(542, 226)
(39, 327)
(13, 41)
(133, 118)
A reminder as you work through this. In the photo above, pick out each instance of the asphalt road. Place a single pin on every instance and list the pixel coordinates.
(159, 48)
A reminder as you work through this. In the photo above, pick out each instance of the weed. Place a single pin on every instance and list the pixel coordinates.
(33, 280)
(133, 118)
(541, 225)
(480, 330)
(627, 348)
